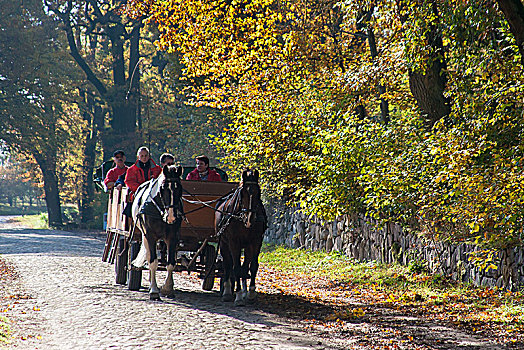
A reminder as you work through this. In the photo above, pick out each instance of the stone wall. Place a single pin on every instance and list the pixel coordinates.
(363, 240)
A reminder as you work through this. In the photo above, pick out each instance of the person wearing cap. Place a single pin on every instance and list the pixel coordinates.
(143, 170)
(202, 171)
(118, 170)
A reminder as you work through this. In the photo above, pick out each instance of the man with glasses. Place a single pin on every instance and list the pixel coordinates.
(114, 173)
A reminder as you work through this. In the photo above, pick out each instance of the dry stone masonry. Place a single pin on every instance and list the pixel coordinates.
(364, 240)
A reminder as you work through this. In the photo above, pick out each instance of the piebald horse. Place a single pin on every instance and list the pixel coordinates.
(157, 209)
(241, 221)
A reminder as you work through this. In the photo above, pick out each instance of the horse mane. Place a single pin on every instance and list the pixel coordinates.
(231, 205)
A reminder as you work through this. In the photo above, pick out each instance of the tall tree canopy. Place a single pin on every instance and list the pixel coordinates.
(36, 115)
(88, 24)
(405, 110)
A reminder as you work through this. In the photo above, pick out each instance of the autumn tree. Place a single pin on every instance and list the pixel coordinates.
(88, 24)
(35, 118)
(306, 84)
(20, 179)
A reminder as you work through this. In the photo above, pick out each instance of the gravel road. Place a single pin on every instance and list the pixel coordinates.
(70, 301)
(64, 297)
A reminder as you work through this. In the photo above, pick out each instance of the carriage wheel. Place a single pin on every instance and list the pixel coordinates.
(134, 276)
(121, 262)
(209, 262)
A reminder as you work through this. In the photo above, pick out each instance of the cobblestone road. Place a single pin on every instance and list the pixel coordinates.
(73, 303)
(66, 298)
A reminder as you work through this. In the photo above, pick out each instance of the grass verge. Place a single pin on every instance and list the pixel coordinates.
(36, 221)
(20, 210)
(5, 331)
(410, 289)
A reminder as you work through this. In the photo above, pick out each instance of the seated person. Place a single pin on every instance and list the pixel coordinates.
(114, 173)
(143, 170)
(202, 171)
(166, 159)
(120, 182)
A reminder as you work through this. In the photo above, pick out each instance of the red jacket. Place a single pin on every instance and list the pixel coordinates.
(212, 176)
(135, 175)
(113, 174)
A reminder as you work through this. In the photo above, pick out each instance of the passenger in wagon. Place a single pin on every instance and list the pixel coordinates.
(202, 171)
(143, 170)
(114, 173)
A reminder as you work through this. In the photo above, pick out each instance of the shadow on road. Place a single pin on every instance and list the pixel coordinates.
(377, 326)
(266, 308)
(50, 242)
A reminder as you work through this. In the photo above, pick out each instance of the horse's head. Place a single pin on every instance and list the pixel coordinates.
(171, 193)
(249, 196)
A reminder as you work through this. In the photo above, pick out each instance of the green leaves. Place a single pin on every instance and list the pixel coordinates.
(293, 76)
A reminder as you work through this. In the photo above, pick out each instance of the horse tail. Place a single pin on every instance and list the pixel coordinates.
(141, 258)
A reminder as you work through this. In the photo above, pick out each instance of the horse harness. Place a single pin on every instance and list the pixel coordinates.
(162, 210)
(243, 213)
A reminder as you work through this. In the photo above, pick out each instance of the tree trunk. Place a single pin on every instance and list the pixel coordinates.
(124, 101)
(94, 115)
(134, 73)
(52, 197)
(384, 106)
(428, 87)
(513, 11)
(363, 18)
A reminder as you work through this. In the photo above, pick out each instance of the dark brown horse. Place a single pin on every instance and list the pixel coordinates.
(240, 222)
(157, 207)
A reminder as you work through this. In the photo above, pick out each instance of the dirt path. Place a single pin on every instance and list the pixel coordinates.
(66, 298)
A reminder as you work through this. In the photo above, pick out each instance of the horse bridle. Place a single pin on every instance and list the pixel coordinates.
(164, 210)
(244, 212)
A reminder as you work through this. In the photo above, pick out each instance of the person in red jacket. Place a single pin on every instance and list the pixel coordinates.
(120, 168)
(202, 171)
(144, 169)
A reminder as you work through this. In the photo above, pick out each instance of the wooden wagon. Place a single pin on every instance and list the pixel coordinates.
(198, 244)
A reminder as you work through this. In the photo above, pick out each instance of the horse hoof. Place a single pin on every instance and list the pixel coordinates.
(169, 294)
(154, 296)
(240, 302)
(227, 297)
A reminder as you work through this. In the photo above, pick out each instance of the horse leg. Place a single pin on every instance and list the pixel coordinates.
(253, 268)
(237, 272)
(167, 288)
(227, 295)
(154, 293)
(245, 268)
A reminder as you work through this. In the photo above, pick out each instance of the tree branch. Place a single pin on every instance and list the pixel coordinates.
(66, 20)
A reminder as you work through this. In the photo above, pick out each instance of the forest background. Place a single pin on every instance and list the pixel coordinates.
(405, 111)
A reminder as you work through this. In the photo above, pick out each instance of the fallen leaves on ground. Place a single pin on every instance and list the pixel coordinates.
(347, 308)
(9, 304)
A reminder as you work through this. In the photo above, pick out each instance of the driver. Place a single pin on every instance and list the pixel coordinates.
(202, 171)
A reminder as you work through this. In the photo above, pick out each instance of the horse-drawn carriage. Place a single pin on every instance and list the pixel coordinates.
(184, 215)
(197, 248)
